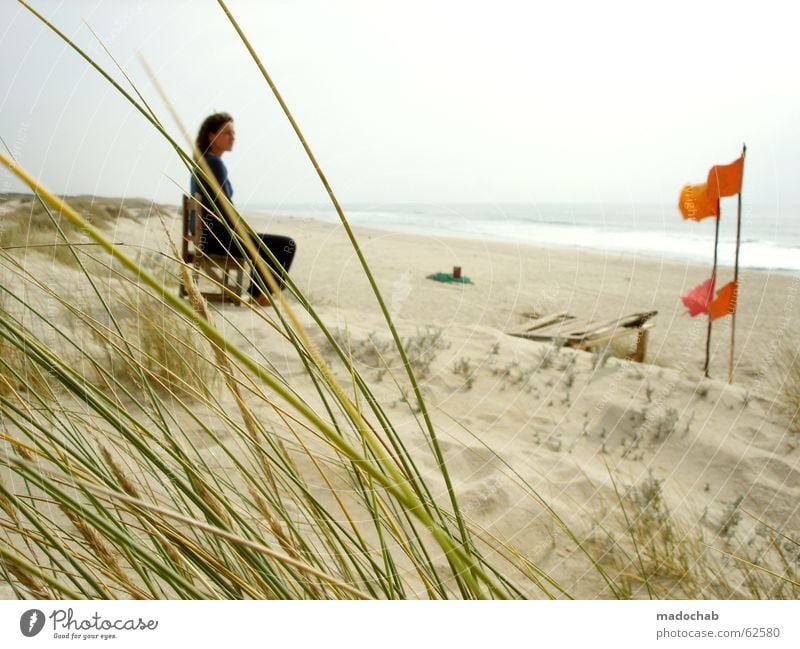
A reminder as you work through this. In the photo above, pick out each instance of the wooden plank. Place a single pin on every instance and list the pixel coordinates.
(578, 329)
(552, 331)
(587, 343)
(560, 329)
(641, 342)
(633, 320)
(547, 320)
(584, 334)
(573, 330)
(534, 317)
(540, 322)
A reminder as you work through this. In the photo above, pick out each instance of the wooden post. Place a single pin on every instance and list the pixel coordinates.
(641, 346)
(736, 273)
(713, 286)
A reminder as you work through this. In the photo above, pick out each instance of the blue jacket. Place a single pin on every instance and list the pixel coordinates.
(217, 238)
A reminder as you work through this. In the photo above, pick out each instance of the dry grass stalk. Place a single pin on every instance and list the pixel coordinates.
(280, 534)
(36, 589)
(19, 448)
(123, 481)
(209, 499)
(5, 504)
(103, 552)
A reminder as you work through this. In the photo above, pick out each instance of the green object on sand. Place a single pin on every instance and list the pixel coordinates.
(448, 277)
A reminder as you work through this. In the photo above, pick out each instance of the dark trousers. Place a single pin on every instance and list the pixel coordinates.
(283, 248)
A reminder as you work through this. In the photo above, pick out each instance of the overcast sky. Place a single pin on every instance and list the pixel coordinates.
(412, 101)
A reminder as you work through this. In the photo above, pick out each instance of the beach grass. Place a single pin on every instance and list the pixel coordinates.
(661, 555)
(32, 228)
(177, 526)
(147, 452)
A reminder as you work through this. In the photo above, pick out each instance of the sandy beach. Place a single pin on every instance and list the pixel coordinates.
(565, 425)
(516, 416)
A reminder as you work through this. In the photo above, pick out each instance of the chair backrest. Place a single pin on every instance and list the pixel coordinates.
(226, 272)
(191, 243)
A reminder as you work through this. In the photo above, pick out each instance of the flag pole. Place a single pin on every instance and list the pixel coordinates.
(713, 286)
(736, 272)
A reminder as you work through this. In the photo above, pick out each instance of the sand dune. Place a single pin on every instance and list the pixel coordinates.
(511, 411)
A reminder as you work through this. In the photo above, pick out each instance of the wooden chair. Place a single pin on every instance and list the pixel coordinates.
(581, 334)
(224, 273)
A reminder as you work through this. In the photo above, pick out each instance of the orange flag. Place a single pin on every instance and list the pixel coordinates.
(699, 201)
(698, 298)
(695, 202)
(725, 180)
(725, 302)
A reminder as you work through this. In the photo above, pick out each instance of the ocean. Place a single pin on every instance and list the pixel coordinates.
(770, 238)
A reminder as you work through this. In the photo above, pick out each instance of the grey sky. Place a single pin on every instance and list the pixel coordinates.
(437, 101)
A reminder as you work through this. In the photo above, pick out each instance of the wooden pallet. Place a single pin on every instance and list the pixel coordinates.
(568, 330)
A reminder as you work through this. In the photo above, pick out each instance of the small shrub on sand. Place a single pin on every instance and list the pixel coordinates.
(376, 352)
(660, 556)
(423, 347)
(27, 226)
(464, 368)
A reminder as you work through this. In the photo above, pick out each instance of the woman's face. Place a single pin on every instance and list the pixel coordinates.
(223, 139)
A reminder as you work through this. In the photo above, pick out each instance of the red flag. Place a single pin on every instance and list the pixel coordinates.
(725, 302)
(695, 202)
(698, 298)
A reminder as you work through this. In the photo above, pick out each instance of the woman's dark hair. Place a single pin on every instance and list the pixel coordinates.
(211, 124)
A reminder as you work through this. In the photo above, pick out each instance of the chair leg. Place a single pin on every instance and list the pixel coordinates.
(239, 283)
(232, 286)
(227, 278)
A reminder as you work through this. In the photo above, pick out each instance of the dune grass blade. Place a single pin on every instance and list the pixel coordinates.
(394, 487)
(429, 425)
(52, 547)
(303, 344)
(387, 484)
(154, 122)
(136, 370)
(164, 516)
(629, 524)
(31, 569)
(219, 532)
(52, 362)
